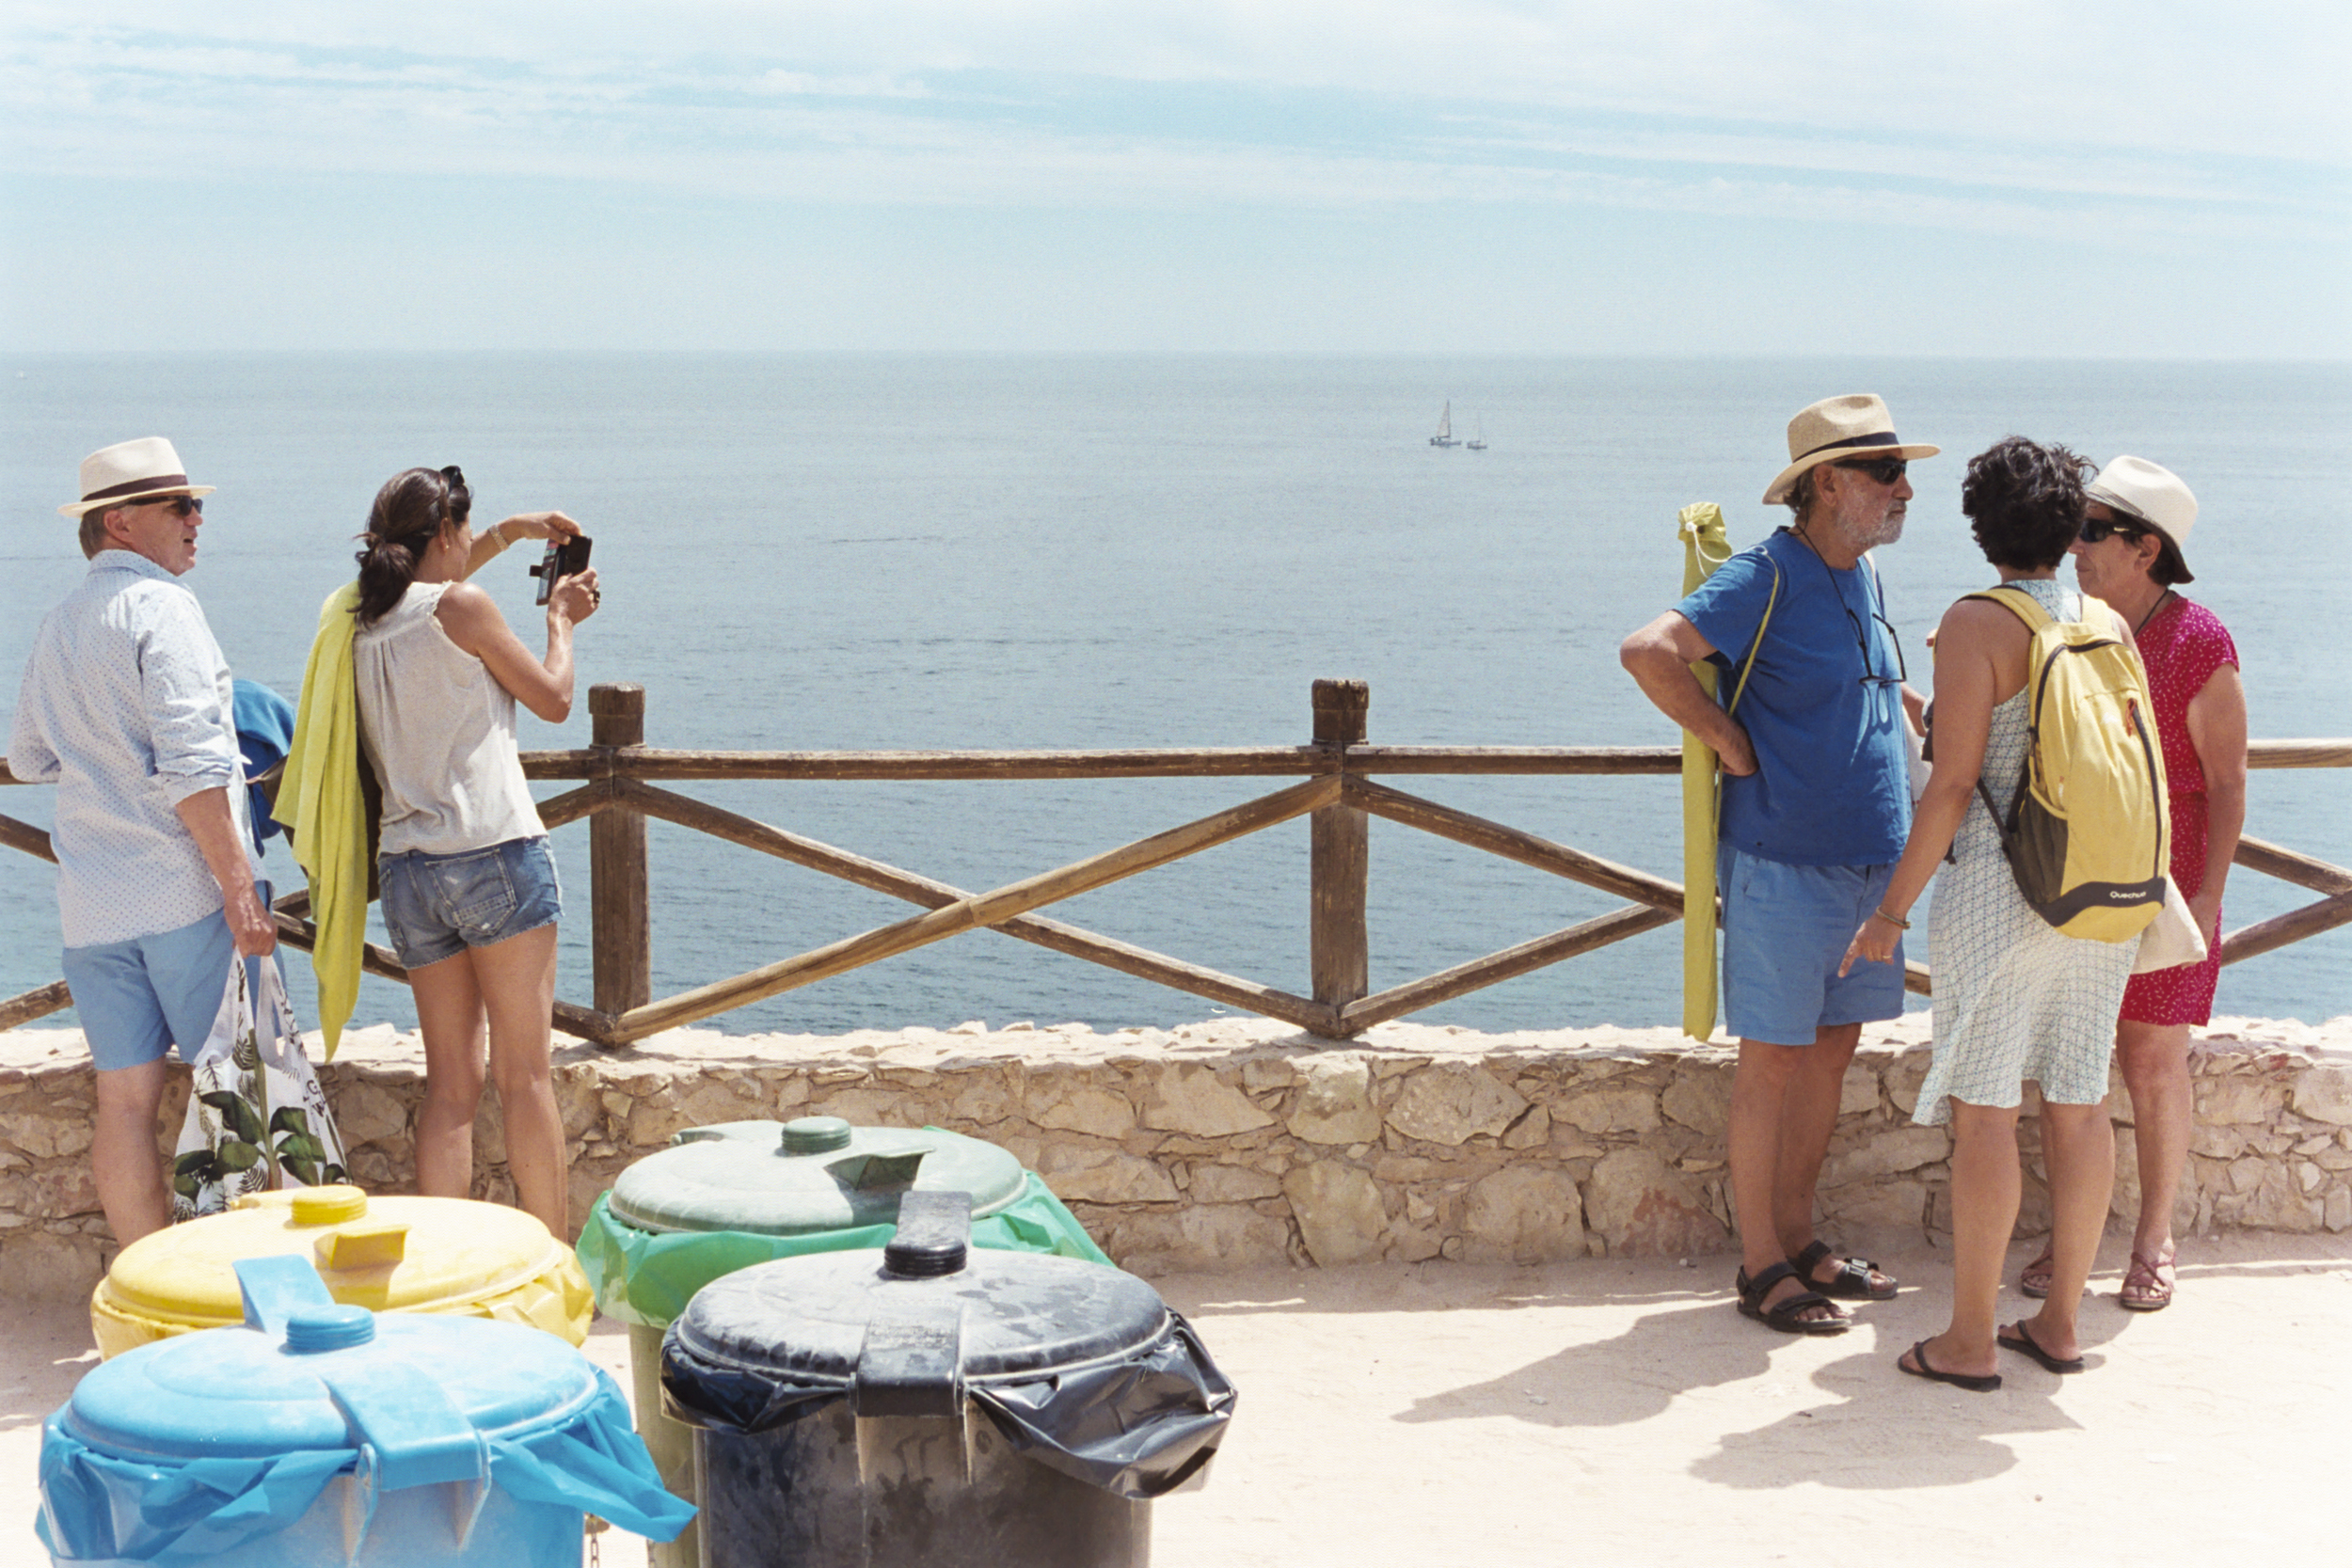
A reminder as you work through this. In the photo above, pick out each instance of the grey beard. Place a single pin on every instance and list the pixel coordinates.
(1884, 531)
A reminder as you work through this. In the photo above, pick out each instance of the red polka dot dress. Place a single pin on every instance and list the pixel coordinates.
(2182, 645)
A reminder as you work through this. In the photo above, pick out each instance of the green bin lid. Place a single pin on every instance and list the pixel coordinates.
(799, 1178)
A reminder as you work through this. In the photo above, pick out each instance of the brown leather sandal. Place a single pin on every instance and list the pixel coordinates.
(2148, 1284)
(2034, 1279)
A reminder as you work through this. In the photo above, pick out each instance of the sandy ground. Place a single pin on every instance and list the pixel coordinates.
(1620, 1411)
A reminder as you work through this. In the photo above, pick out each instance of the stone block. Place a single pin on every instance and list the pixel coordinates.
(1335, 1105)
(1452, 1102)
(859, 1107)
(2215, 1142)
(1097, 1112)
(1878, 1212)
(1903, 1079)
(1604, 1111)
(32, 1134)
(1339, 1211)
(1185, 1098)
(1088, 1173)
(2336, 1210)
(1887, 1153)
(2243, 1102)
(1523, 1214)
(1700, 1100)
(43, 1265)
(1200, 1237)
(1859, 1090)
(1232, 1184)
(1532, 1131)
(367, 1114)
(2325, 1094)
(1642, 1206)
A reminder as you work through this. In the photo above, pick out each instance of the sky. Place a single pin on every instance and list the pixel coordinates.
(2055, 178)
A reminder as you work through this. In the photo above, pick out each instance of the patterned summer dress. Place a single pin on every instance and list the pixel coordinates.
(2183, 643)
(2014, 999)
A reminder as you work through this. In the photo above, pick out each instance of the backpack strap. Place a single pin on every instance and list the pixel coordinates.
(2018, 603)
(1757, 646)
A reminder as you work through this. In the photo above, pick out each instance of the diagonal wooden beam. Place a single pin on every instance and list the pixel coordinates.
(1479, 973)
(988, 909)
(2294, 926)
(1052, 934)
(1511, 844)
(22, 1009)
(24, 836)
(2273, 859)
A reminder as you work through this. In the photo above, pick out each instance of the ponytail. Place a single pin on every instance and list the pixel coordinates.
(410, 512)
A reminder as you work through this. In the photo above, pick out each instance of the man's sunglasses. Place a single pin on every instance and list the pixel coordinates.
(1887, 470)
(2096, 528)
(182, 506)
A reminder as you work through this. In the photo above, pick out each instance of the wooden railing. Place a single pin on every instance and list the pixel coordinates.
(622, 783)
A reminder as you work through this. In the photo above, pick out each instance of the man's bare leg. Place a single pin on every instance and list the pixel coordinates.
(1753, 1141)
(1808, 1119)
(126, 1163)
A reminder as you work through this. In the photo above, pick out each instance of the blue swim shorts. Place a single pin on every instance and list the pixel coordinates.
(437, 905)
(1786, 930)
(138, 999)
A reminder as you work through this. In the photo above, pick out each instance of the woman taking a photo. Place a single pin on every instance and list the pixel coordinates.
(470, 894)
(2014, 998)
(2129, 554)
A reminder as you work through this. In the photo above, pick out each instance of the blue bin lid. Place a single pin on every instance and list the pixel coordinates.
(320, 1376)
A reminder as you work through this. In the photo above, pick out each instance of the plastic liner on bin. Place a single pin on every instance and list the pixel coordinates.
(742, 1194)
(207, 1444)
(1084, 1370)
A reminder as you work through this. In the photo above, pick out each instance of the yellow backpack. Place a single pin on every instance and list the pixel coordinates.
(2087, 833)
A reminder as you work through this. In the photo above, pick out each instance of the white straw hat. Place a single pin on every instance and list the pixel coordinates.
(130, 471)
(2150, 494)
(1856, 426)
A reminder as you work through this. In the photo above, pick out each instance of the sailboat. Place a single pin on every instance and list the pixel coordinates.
(1445, 428)
(1478, 442)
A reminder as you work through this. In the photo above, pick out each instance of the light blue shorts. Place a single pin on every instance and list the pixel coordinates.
(140, 998)
(1786, 930)
(437, 905)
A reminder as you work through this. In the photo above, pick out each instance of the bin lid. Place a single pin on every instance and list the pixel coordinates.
(818, 1173)
(829, 1316)
(388, 1254)
(330, 1376)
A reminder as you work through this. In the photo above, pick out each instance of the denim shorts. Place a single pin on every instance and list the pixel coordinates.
(138, 999)
(437, 905)
(1786, 930)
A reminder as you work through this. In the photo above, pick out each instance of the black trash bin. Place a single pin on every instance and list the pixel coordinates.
(932, 1404)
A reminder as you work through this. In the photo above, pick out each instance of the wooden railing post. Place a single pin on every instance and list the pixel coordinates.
(1338, 948)
(621, 913)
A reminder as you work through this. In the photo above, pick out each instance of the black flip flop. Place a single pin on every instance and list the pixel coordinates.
(1852, 1282)
(1784, 1316)
(1958, 1380)
(2017, 1337)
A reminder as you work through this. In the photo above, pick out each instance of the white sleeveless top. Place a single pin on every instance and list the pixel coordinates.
(439, 731)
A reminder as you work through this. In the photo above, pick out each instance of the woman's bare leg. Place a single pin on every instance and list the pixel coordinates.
(448, 1012)
(2079, 1142)
(1986, 1187)
(2155, 1057)
(518, 981)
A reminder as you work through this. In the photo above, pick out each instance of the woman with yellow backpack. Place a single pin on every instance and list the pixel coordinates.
(2042, 712)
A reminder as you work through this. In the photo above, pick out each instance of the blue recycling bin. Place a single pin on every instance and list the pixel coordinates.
(325, 1435)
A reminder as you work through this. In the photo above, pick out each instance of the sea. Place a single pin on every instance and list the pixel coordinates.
(829, 552)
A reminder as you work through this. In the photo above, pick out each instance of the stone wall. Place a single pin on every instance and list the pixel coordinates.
(1235, 1143)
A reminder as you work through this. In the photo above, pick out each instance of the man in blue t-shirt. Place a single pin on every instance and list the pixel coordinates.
(1816, 806)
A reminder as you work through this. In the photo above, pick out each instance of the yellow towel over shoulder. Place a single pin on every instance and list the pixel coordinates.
(321, 804)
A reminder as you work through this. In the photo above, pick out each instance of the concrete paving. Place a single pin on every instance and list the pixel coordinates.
(1619, 1411)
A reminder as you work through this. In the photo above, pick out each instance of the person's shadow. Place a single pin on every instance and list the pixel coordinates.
(1884, 1430)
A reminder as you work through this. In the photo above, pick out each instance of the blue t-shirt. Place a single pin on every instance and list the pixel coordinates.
(1832, 779)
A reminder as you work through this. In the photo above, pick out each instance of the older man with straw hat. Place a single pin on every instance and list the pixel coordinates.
(127, 708)
(1816, 806)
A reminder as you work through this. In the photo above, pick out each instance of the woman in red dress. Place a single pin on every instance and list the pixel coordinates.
(2129, 554)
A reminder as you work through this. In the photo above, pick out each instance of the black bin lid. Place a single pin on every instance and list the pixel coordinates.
(1014, 1315)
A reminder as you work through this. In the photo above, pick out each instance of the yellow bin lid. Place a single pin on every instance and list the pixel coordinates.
(442, 1254)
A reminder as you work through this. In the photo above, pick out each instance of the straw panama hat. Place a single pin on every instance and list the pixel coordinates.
(2152, 493)
(130, 471)
(1856, 426)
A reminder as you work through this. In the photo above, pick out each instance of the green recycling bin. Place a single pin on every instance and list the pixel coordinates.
(734, 1195)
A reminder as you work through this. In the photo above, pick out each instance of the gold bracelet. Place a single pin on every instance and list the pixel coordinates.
(1893, 919)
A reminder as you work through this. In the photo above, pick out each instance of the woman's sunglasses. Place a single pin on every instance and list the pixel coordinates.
(2096, 528)
(182, 506)
(1887, 470)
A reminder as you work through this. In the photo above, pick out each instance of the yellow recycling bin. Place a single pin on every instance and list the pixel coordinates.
(435, 1255)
